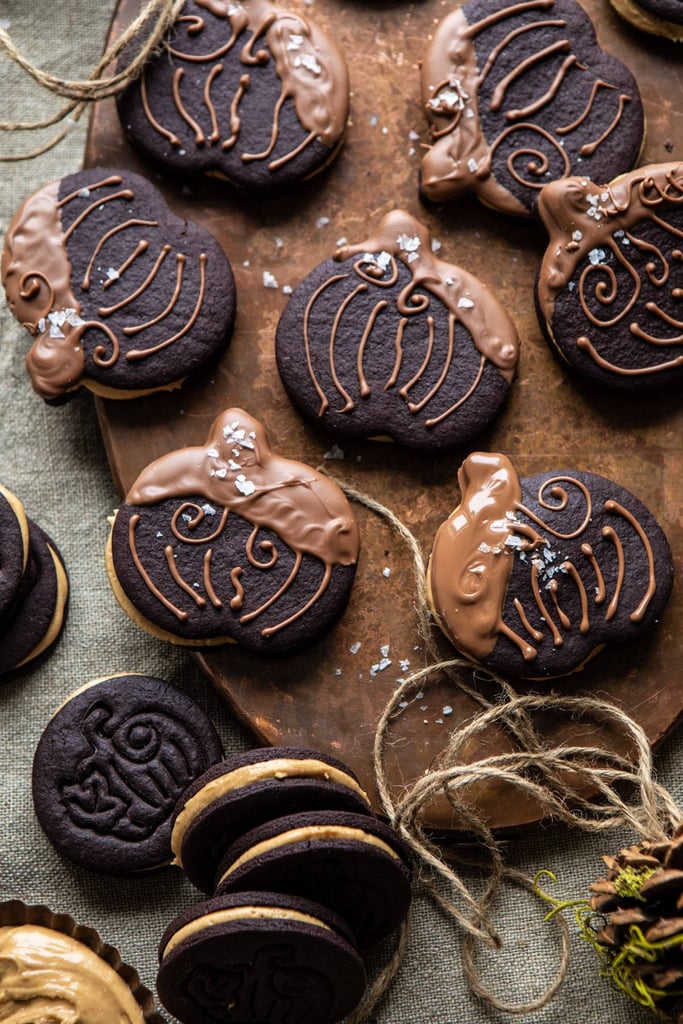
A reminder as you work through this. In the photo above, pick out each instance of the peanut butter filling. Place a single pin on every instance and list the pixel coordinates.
(239, 914)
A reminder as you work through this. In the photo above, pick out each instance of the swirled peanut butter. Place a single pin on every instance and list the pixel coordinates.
(48, 976)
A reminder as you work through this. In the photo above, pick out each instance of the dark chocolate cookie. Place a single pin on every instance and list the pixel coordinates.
(14, 546)
(658, 17)
(258, 956)
(354, 863)
(387, 340)
(120, 294)
(520, 94)
(110, 767)
(247, 91)
(248, 789)
(609, 288)
(533, 577)
(229, 541)
(36, 616)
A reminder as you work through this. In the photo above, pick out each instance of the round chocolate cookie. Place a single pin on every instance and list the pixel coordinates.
(259, 956)
(533, 577)
(609, 288)
(120, 295)
(355, 864)
(14, 547)
(387, 340)
(249, 789)
(519, 94)
(36, 617)
(228, 541)
(248, 91)
(658, 17)
(110, 767)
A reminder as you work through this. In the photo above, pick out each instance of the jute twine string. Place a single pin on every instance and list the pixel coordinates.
(143, 37)
(586, 787)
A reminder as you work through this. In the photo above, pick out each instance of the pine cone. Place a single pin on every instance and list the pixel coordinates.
(641, 940)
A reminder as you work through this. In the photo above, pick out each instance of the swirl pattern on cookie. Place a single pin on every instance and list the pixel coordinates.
(532, 577)
(119, 294)
(611, 281)
(249, 91)
(228, 540)
(520, 94)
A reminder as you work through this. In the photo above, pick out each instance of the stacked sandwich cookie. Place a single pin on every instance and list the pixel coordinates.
(303, 875)
(33, 587)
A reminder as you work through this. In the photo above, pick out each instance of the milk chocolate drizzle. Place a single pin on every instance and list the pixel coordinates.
(402, 238)
(596, 228)
(474, 551)
(461, 158)
(237, 470)
(309, 65)
(42, 295)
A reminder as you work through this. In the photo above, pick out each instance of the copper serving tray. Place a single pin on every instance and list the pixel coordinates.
(328, 697)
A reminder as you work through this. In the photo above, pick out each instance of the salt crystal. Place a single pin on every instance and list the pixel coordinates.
(269, 281)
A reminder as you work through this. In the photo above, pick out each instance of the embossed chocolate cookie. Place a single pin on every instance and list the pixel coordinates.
(520, 94)
(245, 791)
(119, 294)
(387, 340)
(533, 577)
(353, 863)
(110, 767)
(230, 541)
(35, 619)
(658, 17)
(259, 956)
(609, 288)
(247, 91)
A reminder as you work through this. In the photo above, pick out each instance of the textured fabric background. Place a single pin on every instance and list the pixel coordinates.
(54, 460)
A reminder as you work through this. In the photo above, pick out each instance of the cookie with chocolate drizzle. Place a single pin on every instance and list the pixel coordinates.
(248, 91)
(609, 288)
(119, 294)
(386, 340)
(519, 94)
(532, 577)
(228, 541)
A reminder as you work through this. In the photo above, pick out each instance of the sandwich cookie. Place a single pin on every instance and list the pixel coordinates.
(353, 863)
(236, 795)
(252, 957)
(14, 546)
(110, 766)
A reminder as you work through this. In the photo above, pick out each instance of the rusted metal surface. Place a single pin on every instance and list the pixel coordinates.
(329, 697)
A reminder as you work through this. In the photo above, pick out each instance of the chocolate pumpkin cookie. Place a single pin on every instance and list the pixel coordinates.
(248, 91)
(520, 94)
(533, 577)
(119, 294)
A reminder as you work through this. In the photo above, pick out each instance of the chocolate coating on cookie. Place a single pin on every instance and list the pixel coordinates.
(109, 769)
(521, 94)
(230, 541)
(249, 91)
(532, 577)
(609, 288)
(385, 339)
(119, 294)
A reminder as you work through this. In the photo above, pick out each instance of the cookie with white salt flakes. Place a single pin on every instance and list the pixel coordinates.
(385, 340)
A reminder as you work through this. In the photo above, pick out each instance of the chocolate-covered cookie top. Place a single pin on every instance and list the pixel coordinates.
(609, 287)
(247, 91)
(533, 577)
(119, 294)
(520, 94)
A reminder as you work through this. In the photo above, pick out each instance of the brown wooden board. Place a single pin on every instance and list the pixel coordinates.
(327, 697)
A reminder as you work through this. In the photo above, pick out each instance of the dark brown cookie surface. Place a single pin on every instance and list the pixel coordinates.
(609, 288)
(387, 340)
(119, 294)
(249, 91)
(520, 94)
(658, 17)
(110, 767)
(258, 956)
(533, 577)
(230, 541)
(14, 546)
